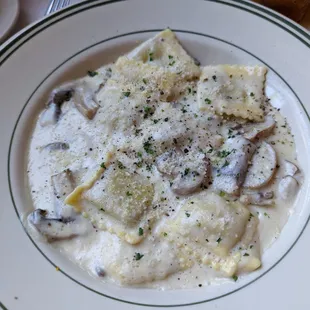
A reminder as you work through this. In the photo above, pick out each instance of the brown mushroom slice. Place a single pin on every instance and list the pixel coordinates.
(189, 171)
(231, 175)
(63, 185)
(259, 199)
(85, 101)
(190, 180)
(262, 168)
(168, 162)
(57, 229)
(259, 130)
(288, 188)
(53, 110)
(289, 168)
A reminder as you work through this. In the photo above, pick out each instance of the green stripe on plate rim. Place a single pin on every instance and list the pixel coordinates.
(85, 6)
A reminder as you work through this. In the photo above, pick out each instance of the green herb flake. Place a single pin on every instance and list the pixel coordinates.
(172, 63)
(138, 256)
(144, 81)
(126, 93)
(246, 254)
(128, 194)
(103, 166)
(208, 101)
(120, 165)
(148, 147)
(151, 56)
(222, 194)
(219, 240)
(235, 278)
(226, 164)
(186, 171)
(170, 56)
(92, 73)
(140, 231)
(252, 94)
(187, 214)
(101, 209)
(165, 234)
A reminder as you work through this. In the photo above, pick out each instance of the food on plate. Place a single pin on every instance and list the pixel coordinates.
(161, 172)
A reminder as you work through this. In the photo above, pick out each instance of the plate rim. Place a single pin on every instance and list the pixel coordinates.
(93, 3)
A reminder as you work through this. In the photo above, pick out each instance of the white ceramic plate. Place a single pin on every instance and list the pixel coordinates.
(9, 10)
(88, 34)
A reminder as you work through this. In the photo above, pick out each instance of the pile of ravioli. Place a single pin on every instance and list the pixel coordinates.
(158, 98)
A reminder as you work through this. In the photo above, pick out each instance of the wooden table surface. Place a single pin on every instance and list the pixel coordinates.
(32, 10)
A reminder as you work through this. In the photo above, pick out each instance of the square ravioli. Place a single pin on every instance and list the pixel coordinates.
(233, 90)
(164, 50)
(119, 202)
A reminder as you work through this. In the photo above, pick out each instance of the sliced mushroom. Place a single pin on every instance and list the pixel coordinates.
(262, 168)
(51, 115)
(56, 146)
(168, 162)
(235, 155)
(259, 130)
(188, 170)
(288, 188)
(289, 168)
(85, 101)
(53, 111)
(63, 185)
(57, 229)
(190, 180)
(259, 199)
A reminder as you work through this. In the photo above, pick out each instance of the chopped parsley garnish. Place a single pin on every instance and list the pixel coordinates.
(210, 151)
(166, 119)
(251, 246)
(165, 234)
(172, 63)
(186, 171)
(128, 194)
(226, 164)
(250, 217)
(92, 73)
(208, 101)
(219, 240)
(187, 214)
(148, 147)
(151, 56)
(103, 166)
(149, 167)
(235, 278)
(246, 254)
(144, 81)
(140, 231)
(139, 154)
(266, 214)
(120, 165)
(170, 56)
(252, 94)
(214, 78)
(126, 93)
(222, 194)
(138, 256)
(223, 154)
(101, 209)
(189, 90)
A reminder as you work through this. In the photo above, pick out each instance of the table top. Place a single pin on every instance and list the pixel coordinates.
(32, 10)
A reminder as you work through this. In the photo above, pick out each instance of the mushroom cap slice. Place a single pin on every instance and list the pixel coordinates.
(263, 167)
(289, 168)
(259, 199)
(288, 188)
(259, 130)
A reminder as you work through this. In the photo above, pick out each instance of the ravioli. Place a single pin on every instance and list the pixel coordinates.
(164, 50)
(122, 203)
(233, 90)
(211, 222)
